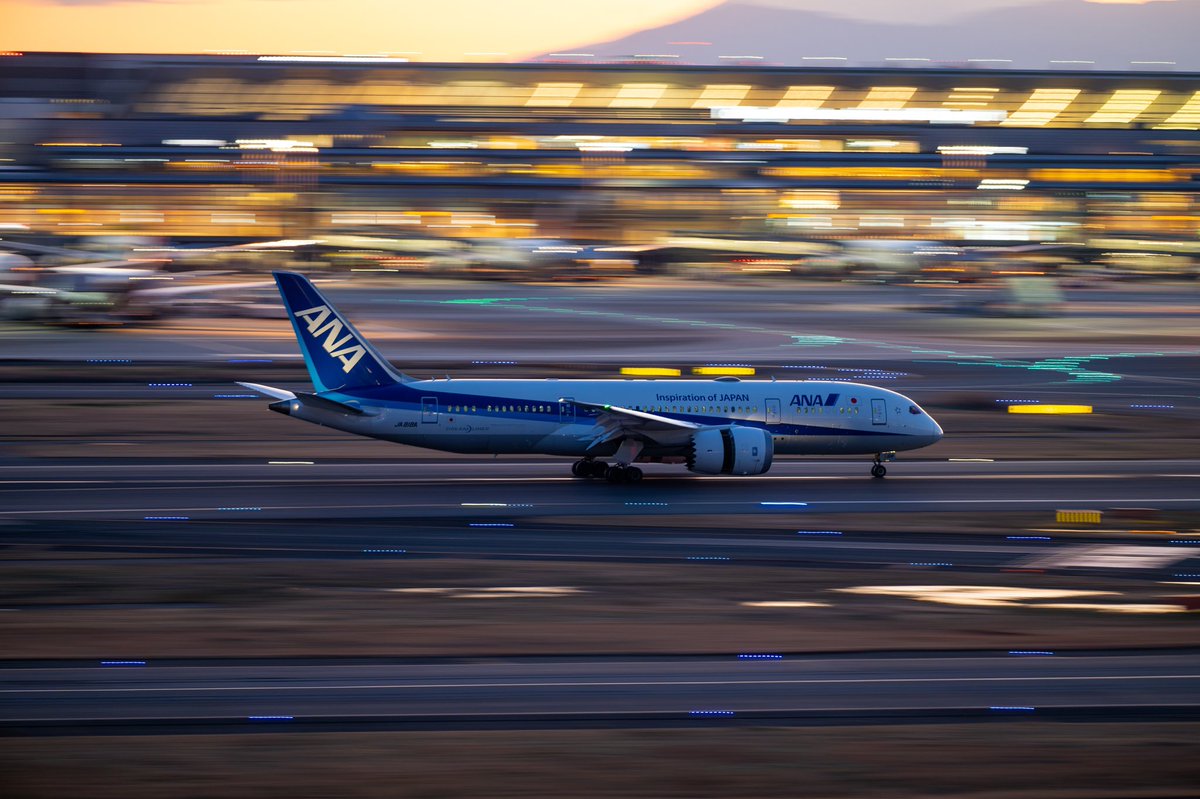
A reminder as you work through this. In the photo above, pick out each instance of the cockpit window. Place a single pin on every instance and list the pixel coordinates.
(914, 410)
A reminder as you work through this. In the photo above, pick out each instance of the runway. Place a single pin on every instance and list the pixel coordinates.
(485, 489)
(196, 695)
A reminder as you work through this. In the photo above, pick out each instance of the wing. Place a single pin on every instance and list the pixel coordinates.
(614, 423)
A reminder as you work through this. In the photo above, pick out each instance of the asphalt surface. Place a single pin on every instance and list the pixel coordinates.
(1125, 351)
(415, 321)
(602, 692)
(493, 489)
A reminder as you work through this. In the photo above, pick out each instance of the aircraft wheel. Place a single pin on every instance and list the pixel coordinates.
(615, 474)
(596, 469)
(878, 470)
(580, 468)
(633, 474)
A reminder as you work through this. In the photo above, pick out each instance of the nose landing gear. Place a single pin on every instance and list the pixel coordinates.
(878, 470)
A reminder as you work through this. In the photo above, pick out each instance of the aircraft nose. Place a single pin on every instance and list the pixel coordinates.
(935, 432)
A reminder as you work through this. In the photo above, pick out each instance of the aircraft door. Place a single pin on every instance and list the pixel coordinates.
(429, 410)
(773, 411)
(878, 411)
(566, 410)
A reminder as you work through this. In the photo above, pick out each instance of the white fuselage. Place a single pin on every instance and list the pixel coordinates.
(541, 416)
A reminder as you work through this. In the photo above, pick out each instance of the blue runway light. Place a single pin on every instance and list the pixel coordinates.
(1028, 538)
(495, 363)
(1154, 407)
(760, 657)
(235, 396)
(817, 532)
(166, 518)
(122, 663)
(169, 385)
(385, 551)
(491, 524)
(1185, 575)
(231, 509)
(931, 564)
(109, 360)
(710, 712)
(1013, 708)
(706, 557)
(1185, 541)
(784, 504)
(1029, 652)
(646, 504)
(271, 718)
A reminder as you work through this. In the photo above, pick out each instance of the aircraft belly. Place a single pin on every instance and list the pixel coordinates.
(838, 445)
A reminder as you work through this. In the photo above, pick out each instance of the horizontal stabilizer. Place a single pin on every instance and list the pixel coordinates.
(326, 404)
(269, 391)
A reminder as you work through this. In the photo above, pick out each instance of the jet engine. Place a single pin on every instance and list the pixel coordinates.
(731, 450)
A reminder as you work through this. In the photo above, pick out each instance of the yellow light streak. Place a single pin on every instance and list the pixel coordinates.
(805, 97)
(722, 94)
(649, 371)
(888, 97)
(1042, 107)
(554, 95)
(1124, 106)
(1187, 117)
(638, 95)
(1050, 409)
(723, 370)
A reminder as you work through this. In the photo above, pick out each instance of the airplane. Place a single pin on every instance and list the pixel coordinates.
(722, 426)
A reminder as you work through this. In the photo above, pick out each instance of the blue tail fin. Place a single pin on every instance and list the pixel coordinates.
(337, 355)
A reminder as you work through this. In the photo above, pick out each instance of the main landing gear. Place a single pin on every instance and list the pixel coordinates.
(617, 473)
(879, 470)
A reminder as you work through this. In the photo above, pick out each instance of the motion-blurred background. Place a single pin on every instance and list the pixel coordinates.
(992, 207)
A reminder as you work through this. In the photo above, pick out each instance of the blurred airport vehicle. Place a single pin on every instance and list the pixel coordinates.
(720, 426)
(66, 288)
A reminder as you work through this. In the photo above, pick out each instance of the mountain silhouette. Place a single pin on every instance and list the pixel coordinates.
(1113, 36)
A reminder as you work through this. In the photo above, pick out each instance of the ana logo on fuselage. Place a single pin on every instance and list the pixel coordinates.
(807, 400)
(321, 321)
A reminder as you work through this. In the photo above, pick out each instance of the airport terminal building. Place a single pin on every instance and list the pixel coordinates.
(250, 147)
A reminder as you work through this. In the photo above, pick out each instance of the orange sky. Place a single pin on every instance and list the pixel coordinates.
(439, 29)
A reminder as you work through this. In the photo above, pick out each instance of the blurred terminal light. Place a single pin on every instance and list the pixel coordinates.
(869, 114)
(975, 149)
(1042, 107)
(1124, 106)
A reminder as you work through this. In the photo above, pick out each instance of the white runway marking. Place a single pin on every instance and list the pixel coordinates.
(592, 684)
(567, 505)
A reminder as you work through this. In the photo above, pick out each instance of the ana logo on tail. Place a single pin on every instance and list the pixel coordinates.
(321, 320)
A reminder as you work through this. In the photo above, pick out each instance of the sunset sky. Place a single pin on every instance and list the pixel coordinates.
(451, 30)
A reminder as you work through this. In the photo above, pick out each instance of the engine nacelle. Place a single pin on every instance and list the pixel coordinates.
(731, 450)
